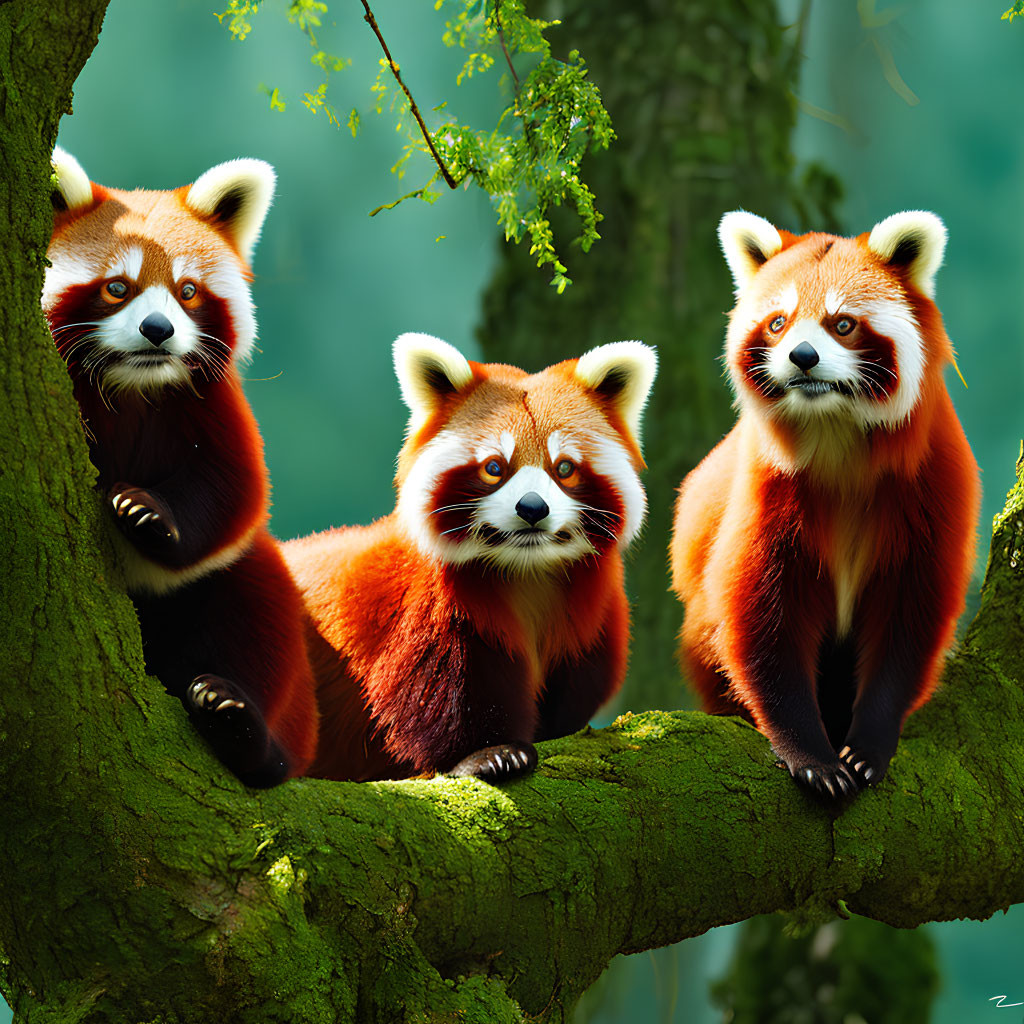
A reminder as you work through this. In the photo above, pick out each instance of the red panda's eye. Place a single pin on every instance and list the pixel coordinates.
(492, 471)
(188, 291)
(777, 324)
(115, 291)
(567, 472)
(844, 325)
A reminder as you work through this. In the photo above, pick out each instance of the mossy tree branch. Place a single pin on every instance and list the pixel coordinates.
(390, 901)
(141, 883)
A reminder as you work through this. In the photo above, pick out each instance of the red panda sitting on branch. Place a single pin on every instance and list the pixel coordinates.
(148, 301)
(488, 610)
(823, 549)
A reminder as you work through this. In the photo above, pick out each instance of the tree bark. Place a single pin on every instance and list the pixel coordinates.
(140, 882)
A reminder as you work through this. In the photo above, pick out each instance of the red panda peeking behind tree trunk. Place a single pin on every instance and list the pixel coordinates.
(147, 297)
(823, 549)
(488, 610)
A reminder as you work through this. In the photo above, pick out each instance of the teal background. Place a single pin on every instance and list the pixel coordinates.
(167, 94)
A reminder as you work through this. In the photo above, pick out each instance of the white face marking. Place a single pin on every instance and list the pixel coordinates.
(128, 264)
(612, 461)
(788, 300)
(444, 452)
(560, 446)
(835, 362)
(223, 278)
(498, 509)
(504, 445)
(893, 319)
(833, 302)
(498, 534)
(147, 366)
(121, 330)
(507, 444)
(889, 317)
(185, 267)
(555, 445)
(65, 271)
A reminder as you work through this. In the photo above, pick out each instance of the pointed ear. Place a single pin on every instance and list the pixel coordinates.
(748, 242)
(74, 190)
(235, 196)
(622, 373)
(915, 241)
(428, 370)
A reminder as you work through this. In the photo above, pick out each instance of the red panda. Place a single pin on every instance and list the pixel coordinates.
(823, 549)
(487, 610)
(148, 301)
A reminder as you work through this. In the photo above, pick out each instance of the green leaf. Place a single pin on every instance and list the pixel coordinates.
(237, 12)
(276, 103)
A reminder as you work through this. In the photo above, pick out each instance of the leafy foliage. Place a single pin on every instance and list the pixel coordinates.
(531, 161)
(1017, 10)
(528, 163)
(307, 16)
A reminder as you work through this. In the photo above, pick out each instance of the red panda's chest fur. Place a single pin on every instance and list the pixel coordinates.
(377, 599)
(541, 619)
(851, 526)
(838, 529)
(148, 439)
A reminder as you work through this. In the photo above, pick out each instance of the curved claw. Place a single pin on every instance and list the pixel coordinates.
(833, 782)
(860, 766)
(498, 763)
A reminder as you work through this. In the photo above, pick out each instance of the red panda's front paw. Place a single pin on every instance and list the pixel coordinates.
(831, 781)
(234, 726)
(866, 768)
(499, 763)
(141, 513)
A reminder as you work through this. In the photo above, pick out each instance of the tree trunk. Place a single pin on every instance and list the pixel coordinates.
(141, 883)
(701, 97)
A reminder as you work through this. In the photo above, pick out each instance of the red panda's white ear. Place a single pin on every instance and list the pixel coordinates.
(914, 240)
(748, 242)
(74, 190)
(235, 196)
(428, 370)
(622, 372)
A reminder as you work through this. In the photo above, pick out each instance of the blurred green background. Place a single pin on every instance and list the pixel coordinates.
(920, 110)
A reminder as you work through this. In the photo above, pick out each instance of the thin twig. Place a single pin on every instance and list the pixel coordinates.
(801, 29)
(372, 22)
(501, 36)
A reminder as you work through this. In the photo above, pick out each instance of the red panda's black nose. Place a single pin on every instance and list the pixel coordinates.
(156, 328)
(804, 356)
(532, 507)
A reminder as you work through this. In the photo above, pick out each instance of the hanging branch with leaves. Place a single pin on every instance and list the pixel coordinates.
(528, 163)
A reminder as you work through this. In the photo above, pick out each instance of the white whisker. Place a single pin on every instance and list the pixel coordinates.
(451, 508)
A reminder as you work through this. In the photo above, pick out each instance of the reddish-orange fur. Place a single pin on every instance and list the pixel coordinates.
(420, 662)
(219, 600)
(760, 537)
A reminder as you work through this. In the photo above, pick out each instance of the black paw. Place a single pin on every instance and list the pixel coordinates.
(868, 769)
(141, 514)
(499, 763)
(234, 727)
(831, 781)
